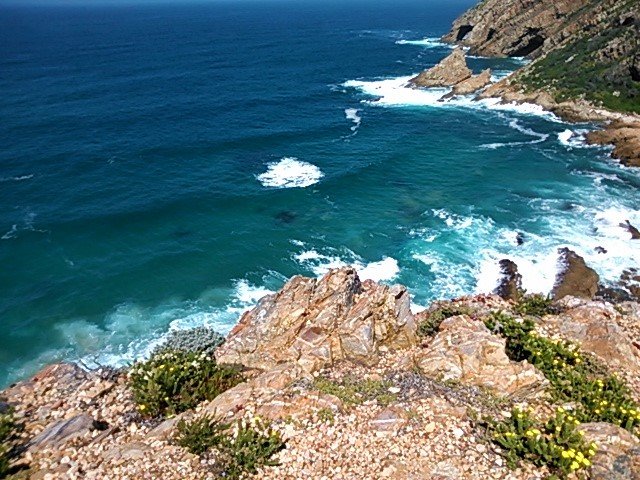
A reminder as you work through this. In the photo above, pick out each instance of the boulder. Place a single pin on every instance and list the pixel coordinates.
(61, 432)
(618, 455)
(465, 350)
(575, 278)
(316, 322)
(450, 71)
(511, 282)
(635, 233)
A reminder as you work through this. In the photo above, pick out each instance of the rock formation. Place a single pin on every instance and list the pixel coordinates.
(575, 278)
(511, 281)
(449, 72)
(317, 322)
(626, 140)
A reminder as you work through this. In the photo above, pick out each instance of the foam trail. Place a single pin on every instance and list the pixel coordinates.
(16, 179)
(290, 172)
(352, 114)
(541, 137)
(429, 42)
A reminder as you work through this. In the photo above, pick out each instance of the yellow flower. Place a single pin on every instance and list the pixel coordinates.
(142, 407)
(565, 454)
(586, 462)
(560, 409)
(578, 361)
(574, 465)
(591, 452)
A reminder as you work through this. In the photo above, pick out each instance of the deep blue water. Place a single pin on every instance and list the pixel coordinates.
(133, 140)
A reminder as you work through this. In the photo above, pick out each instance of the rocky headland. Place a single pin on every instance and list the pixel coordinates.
(585, 61)
(337, 378)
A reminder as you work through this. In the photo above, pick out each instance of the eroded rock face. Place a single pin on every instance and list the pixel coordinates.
(618, 456)
(521, 28)
(449, 72)
(317, 322)
(625, 137)
(576, 278)
(465, 350)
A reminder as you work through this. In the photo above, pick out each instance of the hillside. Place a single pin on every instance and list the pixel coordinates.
(582, 49)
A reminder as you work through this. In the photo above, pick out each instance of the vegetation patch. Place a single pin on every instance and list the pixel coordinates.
(556, 443)
(429, 327)
(197, 340)
(535, 305)
(8, 435)
(356, 391)
(173, 381)
(238, 448)
(597, 395)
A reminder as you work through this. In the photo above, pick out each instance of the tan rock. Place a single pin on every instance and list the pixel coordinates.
(466, 351)
(450, 71)
(472, 84)
(317, 322)
(575, 278)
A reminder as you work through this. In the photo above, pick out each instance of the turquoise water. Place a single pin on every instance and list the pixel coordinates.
(165, 165)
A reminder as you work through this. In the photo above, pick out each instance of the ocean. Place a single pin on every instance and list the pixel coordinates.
(165, 165)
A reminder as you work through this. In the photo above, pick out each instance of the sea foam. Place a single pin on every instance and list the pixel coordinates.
(290, 172)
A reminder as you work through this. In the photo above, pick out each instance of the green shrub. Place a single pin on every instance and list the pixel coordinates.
(575, 378)
(8, 431)
(556, 443)
(429, 327)
(240, 448)
(354, 391)
(173, 381)
(536, 305)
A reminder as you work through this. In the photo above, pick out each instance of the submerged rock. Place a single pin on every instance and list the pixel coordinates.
(449, 72)
(317, 322)
(575, 278)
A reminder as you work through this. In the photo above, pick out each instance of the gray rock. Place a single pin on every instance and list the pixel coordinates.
(63, 431)
(576, 278)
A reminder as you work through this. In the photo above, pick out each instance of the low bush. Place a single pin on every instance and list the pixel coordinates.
(173, 381)
(536, 305)
(197, 340)
(356, 391)
(555, 443)
(8, 432)
(239, 448)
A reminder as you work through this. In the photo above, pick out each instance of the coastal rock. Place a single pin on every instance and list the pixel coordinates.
(618, 455)
(625, 137)
(465, 350)
(592, 325)
(449, 72)
(511, 281)
(316, 322)
(472, 84)
(575, 278)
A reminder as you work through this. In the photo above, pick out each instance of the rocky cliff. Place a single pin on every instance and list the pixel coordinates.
(344, 381)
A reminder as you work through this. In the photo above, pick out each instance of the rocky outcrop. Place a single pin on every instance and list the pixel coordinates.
(449, 72)
(575, 278)
(625, 137)
(473, 84)
(465, 350)
(318, 322)
(511, 281)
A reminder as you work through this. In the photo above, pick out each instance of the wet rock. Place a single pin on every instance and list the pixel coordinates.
(511, 281)
(520, 239)
(576, 278)
(618, 455)
(61, 432)
(635, 233)
(450, 71)
(466, 351)
(601, 250)
(315, 322)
